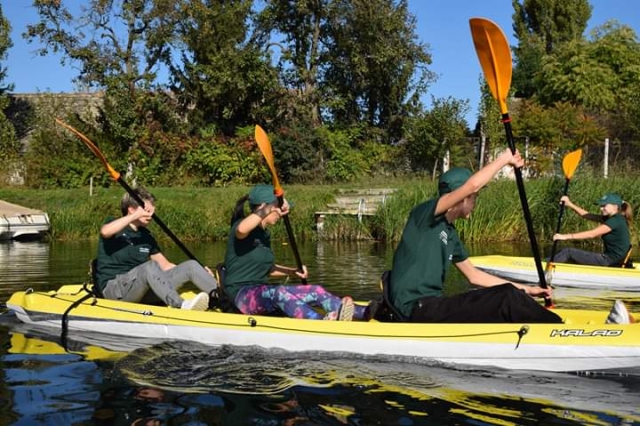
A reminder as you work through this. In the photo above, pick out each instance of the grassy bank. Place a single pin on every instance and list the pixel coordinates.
(203, 213)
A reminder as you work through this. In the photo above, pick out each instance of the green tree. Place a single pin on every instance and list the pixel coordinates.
(374, 68)
(119, 46)
(431, 134)
(489, 125)
(540, 26)
(297, 26)
(601, 74)
(223, 78)
(9, 146)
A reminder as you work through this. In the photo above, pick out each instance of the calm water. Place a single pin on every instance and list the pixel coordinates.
(101, 380)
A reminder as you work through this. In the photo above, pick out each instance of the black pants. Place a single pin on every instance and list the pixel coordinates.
(582, 257)
(499, 304)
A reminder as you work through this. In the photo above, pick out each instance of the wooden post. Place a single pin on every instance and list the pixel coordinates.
(483, 144)
(445, 162)
(91, 186)
(606, 158)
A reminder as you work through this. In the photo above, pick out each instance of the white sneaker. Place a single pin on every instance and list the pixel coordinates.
(618, 314)
(345, 313)
(198, 303)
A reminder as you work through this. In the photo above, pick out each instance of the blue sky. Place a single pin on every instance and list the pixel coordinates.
(442, 24)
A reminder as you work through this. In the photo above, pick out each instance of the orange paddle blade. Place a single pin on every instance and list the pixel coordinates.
(570, 163)
(265, 147)
(114, 174)
(495, 58)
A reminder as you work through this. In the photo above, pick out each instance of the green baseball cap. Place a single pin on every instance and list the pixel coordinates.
(610, 198)
(262, 194)
(453, 179)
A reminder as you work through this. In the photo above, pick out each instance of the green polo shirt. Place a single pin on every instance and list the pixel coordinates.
(247, 261)
(123, 252)
(421, 261)
(616, 242)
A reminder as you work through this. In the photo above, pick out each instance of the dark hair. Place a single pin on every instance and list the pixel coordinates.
(627, 212)
(128, 201)
(238, 210)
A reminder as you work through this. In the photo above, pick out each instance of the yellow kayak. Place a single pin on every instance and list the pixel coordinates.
(523, 270)
(583, 343)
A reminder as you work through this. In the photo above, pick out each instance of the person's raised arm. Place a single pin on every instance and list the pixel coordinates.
(579, 210)
(478, 180)
(110, 229)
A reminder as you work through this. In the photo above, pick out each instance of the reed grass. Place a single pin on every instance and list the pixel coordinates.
(203, 213)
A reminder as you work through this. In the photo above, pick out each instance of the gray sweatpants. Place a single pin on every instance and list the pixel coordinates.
(134, 285)
(582, 257)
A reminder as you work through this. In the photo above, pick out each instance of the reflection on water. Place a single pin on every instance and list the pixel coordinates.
(107, 380)
(23, 262)
(188, 383)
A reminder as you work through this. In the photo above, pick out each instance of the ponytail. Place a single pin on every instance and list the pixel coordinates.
(238, 210)
(627, 213)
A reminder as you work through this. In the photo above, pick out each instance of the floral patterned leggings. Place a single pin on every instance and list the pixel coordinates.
(296, 301)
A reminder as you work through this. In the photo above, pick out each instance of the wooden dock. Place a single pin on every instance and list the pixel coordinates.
(354, 202)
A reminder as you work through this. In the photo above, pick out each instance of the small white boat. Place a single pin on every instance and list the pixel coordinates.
(17, 222)
(584, 342)
(523, 270)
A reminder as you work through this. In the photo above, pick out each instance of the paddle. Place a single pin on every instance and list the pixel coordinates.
(569, 165)
(116, 176)
(495, 58)
(265, 147)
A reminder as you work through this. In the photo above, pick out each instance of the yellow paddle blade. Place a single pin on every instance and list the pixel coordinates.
(495, 58)
(570, 163)
(114, 174)
(265, 147)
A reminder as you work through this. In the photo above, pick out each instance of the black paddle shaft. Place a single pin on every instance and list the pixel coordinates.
(559, 224)
(292, 239)
(160, 223)
(525, 205)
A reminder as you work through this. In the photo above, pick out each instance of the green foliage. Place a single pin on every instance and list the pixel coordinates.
(432, 134)
(125, 66)
(375, 69)
(299, 153)
(343, 162)
(9, 146)
(55, 158)
(223, 77)
(203, 213)
(214, 163)
(553, 131)
(602, 74)
(541, 26)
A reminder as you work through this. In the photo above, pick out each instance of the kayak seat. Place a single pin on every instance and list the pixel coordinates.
(219, 299)
(627, 262)
(385, 311)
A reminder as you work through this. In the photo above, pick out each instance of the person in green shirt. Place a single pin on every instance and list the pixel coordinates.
(130, 262)
(430, 244)
(614, 220)
(250, 262)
